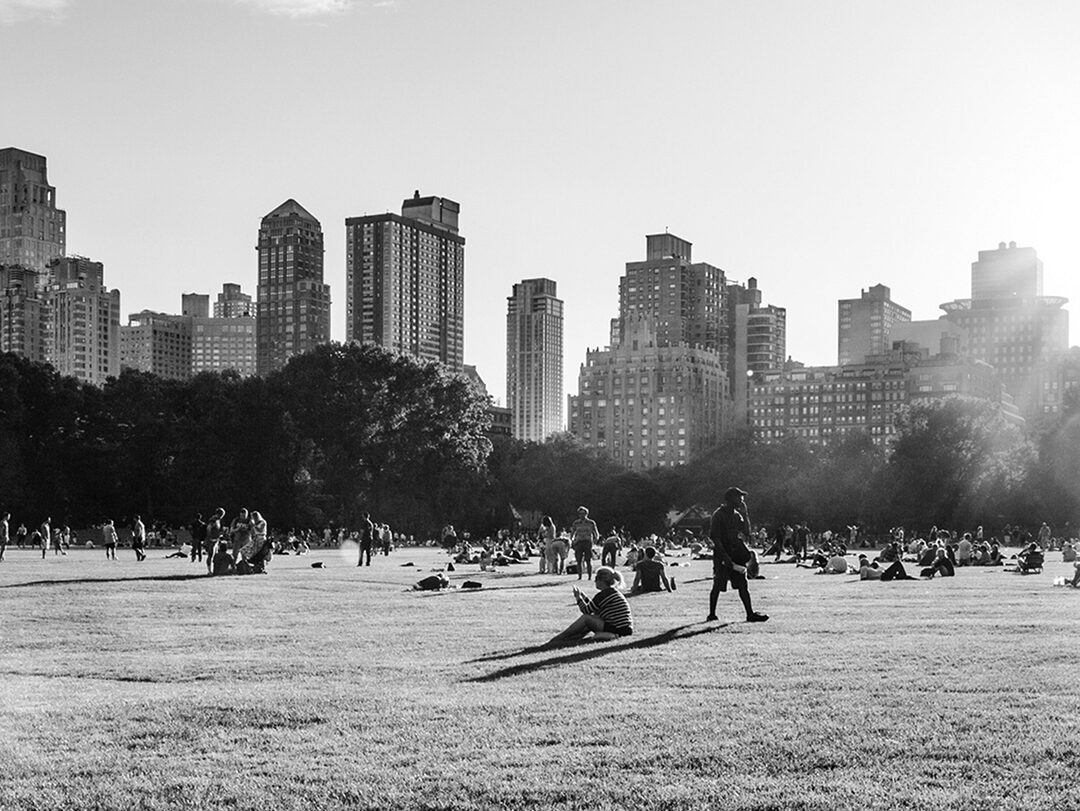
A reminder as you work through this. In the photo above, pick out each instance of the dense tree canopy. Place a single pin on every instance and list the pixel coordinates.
(340, 430)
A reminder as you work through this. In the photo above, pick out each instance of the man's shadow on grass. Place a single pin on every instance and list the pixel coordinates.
(594, 651)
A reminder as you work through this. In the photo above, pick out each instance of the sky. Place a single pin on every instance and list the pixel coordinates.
(821, 147)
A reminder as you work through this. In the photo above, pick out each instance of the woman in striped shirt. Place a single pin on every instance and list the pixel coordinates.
(606, 615)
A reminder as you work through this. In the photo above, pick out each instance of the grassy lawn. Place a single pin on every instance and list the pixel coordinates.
(142, 686)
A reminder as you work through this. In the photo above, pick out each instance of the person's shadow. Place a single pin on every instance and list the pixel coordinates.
(594, 650)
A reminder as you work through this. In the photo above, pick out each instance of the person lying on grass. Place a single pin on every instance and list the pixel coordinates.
(606, 615)
(870, 571)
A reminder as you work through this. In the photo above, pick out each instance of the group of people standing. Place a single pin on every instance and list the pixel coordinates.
(240, 547)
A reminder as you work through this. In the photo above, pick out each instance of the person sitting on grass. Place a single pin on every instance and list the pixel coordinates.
(1076, 577)
(929, 555)
(836, 563)
(941, 565)
(649, 574)
(891, 553)
(1030, 557)
(606, 615)
(221, 561)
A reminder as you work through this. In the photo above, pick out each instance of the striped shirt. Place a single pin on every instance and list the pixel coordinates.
(611, 606)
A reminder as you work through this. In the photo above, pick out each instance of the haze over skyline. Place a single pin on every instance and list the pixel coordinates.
(819, 147)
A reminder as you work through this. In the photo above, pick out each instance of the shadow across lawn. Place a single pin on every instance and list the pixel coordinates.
(86, 580)
(592, 652)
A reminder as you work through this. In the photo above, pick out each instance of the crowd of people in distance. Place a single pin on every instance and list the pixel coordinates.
(245, 545)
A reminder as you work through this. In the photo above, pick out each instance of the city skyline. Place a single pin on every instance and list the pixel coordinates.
(821, 149)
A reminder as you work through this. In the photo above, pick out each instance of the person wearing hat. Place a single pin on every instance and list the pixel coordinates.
(729, 530)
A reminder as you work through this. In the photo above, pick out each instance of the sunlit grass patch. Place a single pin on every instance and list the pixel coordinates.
(340, 688)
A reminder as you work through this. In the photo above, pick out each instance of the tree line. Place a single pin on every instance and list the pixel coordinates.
(348, 429)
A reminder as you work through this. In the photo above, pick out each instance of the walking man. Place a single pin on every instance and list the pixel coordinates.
(729, 530)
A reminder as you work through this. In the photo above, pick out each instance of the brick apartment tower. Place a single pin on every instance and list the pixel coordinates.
(32, 228)
(293, 303)
(659, 394)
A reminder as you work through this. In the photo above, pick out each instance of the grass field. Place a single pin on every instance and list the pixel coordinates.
(145, 686)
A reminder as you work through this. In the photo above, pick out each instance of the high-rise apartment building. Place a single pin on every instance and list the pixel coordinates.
(534, 360)
(23, 313)
(232, 302)
(660, 393)
(293, 303)
(84, 339)
(32, 228)
(158, 343)
(227, 339)
(405, 280)
(864, 324)
(1008, 321)
(683, 300)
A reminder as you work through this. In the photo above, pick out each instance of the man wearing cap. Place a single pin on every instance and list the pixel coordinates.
(729, 530)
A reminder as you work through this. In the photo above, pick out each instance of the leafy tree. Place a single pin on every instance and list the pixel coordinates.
(380, 430)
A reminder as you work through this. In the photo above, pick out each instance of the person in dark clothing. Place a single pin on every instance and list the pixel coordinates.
(941, 565)
(729, 530)
(610, 550)
(367, 538)
(802, 540)
(649, 574)
(198, 537)
(214, 537)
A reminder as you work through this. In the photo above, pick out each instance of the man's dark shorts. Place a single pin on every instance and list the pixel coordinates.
(723, 574)
(621, 631)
